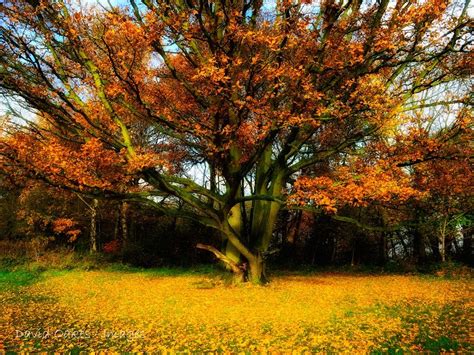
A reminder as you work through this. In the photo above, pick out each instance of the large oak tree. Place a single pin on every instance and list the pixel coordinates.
(233, 109)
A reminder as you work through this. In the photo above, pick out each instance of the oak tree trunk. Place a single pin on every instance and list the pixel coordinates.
(256, 274)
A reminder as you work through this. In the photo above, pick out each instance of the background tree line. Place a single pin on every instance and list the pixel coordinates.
(50, 219)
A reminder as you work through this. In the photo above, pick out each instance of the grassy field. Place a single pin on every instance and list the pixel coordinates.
(126, 310)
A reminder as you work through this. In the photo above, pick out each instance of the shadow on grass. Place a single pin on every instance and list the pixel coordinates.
(18, 272)
(11, 279)
(197, 270)
(432, 271)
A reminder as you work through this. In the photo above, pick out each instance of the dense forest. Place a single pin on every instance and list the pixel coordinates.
(39, 219)
(175, 132)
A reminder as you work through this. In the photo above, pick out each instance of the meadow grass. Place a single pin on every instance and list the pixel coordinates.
(119, 308)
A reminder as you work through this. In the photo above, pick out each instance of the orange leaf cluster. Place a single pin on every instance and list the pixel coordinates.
(354, 188)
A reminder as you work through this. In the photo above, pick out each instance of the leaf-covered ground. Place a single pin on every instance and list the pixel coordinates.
(139, 311)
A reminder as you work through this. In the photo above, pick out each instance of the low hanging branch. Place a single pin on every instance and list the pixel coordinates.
(233, 265)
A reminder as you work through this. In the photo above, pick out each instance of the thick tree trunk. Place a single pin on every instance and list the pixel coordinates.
(245, 244)
(232, 252)
(235, 222)
(256, 274)
(419, 238)
(419, 246)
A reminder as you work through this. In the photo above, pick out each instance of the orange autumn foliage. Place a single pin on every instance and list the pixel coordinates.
(132, 100)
